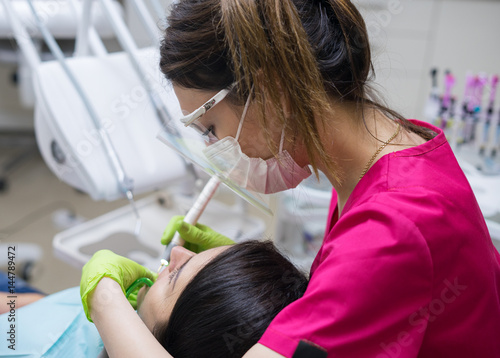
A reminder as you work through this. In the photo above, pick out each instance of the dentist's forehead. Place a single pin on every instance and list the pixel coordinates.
(191, 99)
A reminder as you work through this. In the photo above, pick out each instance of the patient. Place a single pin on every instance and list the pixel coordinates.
(218, 302)
(223, 299)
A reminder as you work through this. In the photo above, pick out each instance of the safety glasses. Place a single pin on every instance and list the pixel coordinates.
(192, 120)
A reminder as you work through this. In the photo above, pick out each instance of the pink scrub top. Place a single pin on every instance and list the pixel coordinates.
(408, 270)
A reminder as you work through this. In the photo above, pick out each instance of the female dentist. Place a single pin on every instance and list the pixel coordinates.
(407, 267)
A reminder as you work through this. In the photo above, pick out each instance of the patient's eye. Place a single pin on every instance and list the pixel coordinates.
(172, 275)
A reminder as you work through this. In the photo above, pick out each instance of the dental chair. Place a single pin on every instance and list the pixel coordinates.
(97, 115)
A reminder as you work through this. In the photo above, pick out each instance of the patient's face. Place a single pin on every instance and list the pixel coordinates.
(156, 303)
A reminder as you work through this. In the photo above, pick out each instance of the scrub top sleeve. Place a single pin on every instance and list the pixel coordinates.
(363, 300)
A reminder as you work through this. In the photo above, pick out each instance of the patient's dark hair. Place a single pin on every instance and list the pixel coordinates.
(227, 306)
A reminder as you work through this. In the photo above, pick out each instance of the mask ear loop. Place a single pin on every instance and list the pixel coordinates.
(247, 104)
(282, 140)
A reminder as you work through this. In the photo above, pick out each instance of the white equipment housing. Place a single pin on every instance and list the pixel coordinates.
(70, 143)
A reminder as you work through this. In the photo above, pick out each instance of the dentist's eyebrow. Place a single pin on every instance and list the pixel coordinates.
(179, 271)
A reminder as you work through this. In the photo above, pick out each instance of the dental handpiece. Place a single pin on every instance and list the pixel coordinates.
(193, 214)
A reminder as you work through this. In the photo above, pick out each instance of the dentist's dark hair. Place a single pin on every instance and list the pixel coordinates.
(229, 303)
(311, 53)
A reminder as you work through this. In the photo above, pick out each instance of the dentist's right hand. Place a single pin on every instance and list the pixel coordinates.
(198, 237)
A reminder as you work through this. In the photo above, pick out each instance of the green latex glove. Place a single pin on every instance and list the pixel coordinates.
(106, 263)
(198, 237)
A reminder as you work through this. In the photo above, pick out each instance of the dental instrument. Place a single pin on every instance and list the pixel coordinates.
(432, 104)
(491, 119)
(495, 135)
(465, 116)
(446, 101)
(474, 133)
(477, 107)
(192, 216)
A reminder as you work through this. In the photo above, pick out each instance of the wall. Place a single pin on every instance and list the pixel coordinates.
(409, 37)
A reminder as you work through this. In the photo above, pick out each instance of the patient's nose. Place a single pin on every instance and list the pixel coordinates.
(178, 256)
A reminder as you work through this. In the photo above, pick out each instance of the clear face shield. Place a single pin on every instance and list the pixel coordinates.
(186, 135)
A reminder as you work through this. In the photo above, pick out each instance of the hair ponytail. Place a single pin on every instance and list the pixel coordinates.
(270, 52)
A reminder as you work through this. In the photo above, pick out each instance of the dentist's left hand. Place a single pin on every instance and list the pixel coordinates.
(106, 263)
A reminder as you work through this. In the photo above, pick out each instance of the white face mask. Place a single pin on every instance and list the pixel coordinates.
(256, 174)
